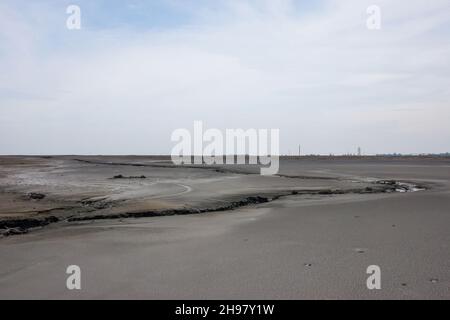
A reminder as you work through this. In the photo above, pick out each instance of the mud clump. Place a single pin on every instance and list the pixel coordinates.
(36, 196)
(398, 186)
(13, 231)
(387, 182)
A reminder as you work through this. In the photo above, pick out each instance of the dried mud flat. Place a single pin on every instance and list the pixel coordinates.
(308, 232)
(37, 191)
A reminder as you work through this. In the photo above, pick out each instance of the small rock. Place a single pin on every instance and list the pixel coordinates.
(434, 280)
(36, 196)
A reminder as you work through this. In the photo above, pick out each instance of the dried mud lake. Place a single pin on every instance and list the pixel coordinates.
(142, 228)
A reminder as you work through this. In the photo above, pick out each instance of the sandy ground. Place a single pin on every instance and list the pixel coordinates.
(300, 246)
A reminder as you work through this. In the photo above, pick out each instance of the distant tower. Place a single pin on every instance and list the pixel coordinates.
(299, 151)
(359, 151)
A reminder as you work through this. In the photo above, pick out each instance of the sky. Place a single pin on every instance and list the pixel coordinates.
(138, 70)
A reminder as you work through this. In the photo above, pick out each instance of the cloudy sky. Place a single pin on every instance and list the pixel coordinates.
(137, 70)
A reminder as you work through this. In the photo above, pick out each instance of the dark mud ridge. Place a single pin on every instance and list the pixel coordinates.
(166, 165)
(397, 186)
(21, 226)
(171, 212)
(119, 176)
(386, 187)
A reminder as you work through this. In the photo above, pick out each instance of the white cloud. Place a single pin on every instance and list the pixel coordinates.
(320, 76)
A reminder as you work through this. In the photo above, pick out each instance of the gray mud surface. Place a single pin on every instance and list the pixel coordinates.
(37, 191)
(159, 231)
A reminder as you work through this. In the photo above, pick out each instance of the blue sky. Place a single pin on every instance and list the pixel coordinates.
(162, 14)
(137, 70)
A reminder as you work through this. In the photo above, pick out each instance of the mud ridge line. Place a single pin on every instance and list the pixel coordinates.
(205, 167)
(251, 200)
(306, 177)
(170, 166)
(21, 226)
